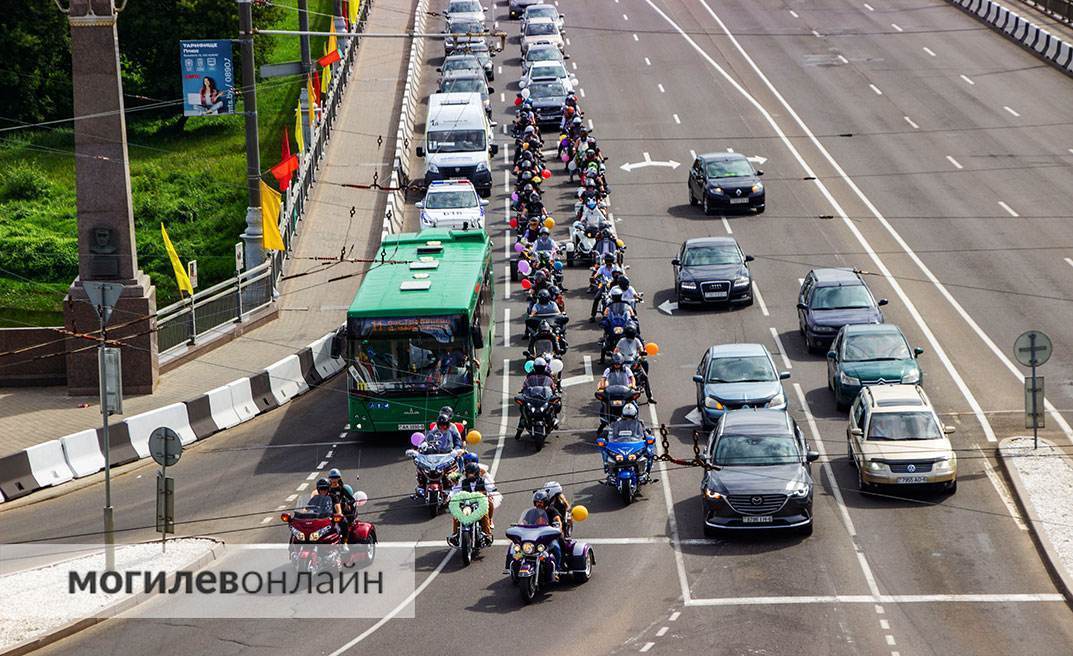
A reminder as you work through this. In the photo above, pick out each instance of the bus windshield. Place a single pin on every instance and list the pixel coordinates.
(430, 355)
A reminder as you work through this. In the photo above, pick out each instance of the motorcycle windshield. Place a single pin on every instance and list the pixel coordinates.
(434, 460)
(542, 346)
(625, 436)
(533, 517)
(318, 507)
(618, 391)
(538, 393)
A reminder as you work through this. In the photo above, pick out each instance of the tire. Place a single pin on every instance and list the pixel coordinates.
(539, 437)
(570, 258)
(863, 486)
(692, 201)
(514, 272)
(464, 544)
(625, 492)
(433, 510)
(528, 589)
(586, 574)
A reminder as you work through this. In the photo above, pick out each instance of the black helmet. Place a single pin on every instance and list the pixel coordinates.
(540, 496)
(609, 258)
(541, 276)
(447, 410)
(473, 469)
(623, 282)
(630, 331)
(443, 420)
(323, 484)
(617, 359)
(534, 197)
(589, 152)
(543, 296)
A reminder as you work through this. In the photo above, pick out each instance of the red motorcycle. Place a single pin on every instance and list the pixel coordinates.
(316, 543)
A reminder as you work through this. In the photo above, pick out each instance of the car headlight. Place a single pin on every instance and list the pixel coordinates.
(714, 404)
(685, 284)
(801, 491)
(777, 401)
(713, 495)
(758, 187)
(431, 168)
(848, 380)
(718, 191)
(912, 377)
(876, 466)
(944, 465)
(298, 535)
(742, 281)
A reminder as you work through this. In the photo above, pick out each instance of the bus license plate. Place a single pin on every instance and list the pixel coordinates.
(756, 519)
(405, 427)
(911, 480)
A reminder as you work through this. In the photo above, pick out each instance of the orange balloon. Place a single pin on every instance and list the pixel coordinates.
(651, 348)
(549, 223)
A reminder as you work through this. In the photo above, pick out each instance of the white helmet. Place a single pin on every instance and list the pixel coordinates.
(630, 410)
(553, 488)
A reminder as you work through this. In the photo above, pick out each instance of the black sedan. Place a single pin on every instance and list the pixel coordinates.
(726, 181)
(761, 477)
(830, 299)
(712, 270)
(548, 96)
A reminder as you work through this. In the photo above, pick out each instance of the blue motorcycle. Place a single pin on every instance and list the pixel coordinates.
(531, 556)
(628, 450)
(614, 324)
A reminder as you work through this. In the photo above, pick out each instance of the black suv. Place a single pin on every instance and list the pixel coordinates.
(761, 475)
(830, 299)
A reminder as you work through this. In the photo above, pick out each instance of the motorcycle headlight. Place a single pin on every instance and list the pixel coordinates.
(316, 535)
(618, 457)
(685, 284)
(911, 378)
(633, 457)
(481, 166)
(713, 495)
(758, 187)
(540, 548)
(528, 547)
(618, 330)
(714, 404)
(777, 401)
(876, 466)
(848, 380)
(741, 281)
(298, 535)
(431, 168)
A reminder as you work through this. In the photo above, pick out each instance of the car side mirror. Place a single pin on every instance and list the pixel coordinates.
(812, 456)
(676, 262)
(493, 149)
(918, 351)
(882, 302)
(491, 89)
(856, 431)
(697, 378)
(420, 151)
(749, 258)
(831, 355)
(759, 172)
(784, 375)
(420, 204)
(566, 56)
(484, 202)
(439, 69)
(802, 306)
(949, 430)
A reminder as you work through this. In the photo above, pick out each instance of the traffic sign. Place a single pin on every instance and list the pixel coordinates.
(165, 446)
(1032, 348)
(1035, 417)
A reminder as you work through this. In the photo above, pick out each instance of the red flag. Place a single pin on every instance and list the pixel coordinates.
(285, 147)
(282, 172)
(316, 86)
(330, 58)
(346, 14)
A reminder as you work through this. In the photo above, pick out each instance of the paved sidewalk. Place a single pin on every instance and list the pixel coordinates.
(309, 306)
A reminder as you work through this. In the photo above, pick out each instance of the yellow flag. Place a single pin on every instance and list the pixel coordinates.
(181, 279)
(325, 79)
(353, 6)
(332, 43)
(270, 204)
(312, 101)
(298, 129)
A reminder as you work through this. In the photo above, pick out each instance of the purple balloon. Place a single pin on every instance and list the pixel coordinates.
(514, 196)
(524, 268)
(417, 438)
(518, 247)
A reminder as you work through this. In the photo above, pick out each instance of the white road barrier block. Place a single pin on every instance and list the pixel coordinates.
(173, 416)
(286, 380)
(222, 407)
(83, 452)
(323, 362)
(242, 398)
(48, 465)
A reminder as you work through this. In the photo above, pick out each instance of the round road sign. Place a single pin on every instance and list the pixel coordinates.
(1032, 348)
(165, 446)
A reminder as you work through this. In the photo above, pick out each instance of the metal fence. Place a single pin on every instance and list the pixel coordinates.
(1062, 9)
(187, 322)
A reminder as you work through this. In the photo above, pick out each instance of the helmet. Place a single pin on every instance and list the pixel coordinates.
(616, 293)
(609, 258)
(529, 130)
(534, 197)
(540, 276)
(473, 469)
(543, 296)
(541, 496)
(576, 120)
(630, 410)
(540, 366)
(589, 152)
(447, 410)
(545, 231)
(553, 488)
(334, 473)
(623, 283)
(528, 188)
(630, 331)
(590, 183)
(323, 484)
(592, 144)
(443, 420)
(569, 112)
(534, 219)
(617, 359)
(590, 203)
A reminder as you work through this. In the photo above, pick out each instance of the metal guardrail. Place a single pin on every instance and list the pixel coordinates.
(1062, 9)
(182, 324)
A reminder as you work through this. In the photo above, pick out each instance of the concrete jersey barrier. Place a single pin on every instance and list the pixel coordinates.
(173, 416)
(83, 452)
(48, 464)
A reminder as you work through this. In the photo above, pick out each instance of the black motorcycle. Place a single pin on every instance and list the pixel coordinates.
(539, 411)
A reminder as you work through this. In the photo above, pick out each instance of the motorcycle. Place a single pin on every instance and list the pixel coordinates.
(614, 324)
(582, 244)
(626, 458)
(316, 544)
(530, 562)
(433, 470)
(469, 508)
(538, 413)
(557, 321)
(612, 399)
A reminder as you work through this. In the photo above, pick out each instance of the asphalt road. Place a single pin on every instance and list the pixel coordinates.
(921, 197)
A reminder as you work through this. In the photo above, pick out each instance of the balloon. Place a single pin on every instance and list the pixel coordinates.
(545, 174)
(518, 247)
(524, 268)
(620, 243)
(528, 366)
(558, 265)
(360, 498)
(549, 223)
(514, 196)
(651, 348)
(417, 438)
(565, 157)
(517, 101)
(473, 437)
(513, 223)
(537, 179)
(524, 93)
(556, 366)
(526, 284)
(579, 513)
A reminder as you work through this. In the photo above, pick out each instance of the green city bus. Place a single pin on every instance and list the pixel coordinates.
(419, 333)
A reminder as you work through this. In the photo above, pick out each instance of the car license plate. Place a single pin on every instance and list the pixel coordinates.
(910, 480)
(738, 201)
(404, 427)
(756, 519)
(715, 294)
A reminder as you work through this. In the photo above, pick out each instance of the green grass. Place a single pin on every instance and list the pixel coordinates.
(193, 182)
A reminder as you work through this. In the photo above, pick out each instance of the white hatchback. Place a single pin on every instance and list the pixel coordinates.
(549, 70)
(452, 204)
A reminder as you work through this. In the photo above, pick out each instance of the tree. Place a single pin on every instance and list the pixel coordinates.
(35, 84)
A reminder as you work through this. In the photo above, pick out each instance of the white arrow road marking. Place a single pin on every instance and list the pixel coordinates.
(667, 307)
(757, 159)
(629, 166)
(694, 417)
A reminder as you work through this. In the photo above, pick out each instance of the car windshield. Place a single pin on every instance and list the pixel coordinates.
(543, 11)
(728, 168)
(455, 141)
(740, 369)
(709, 255)
(540, 29)
(463, 85)
(753, 451)
(543, 53)
(462, 27)
(462, 64)
(845, 297)
(548, 71)
(450, 200)
(547, 90)
(464, 6)
(875, 346)
(904, 426)
(407, 354)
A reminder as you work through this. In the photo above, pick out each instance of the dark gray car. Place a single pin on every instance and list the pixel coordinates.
(830, 299)
(517, 7)
(548, 96)
(712, 270)
(761, 476)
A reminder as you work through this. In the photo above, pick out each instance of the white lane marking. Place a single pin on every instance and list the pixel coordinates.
(661, 89)
(794, 14)
(590, 125)
(890, 640)
(676, 119)
(884, 624)
(625, 17)
(930, 51)
(869, 7)
(581, 91)
(267, 519)
(967, 79)
(506, 282)
(674, 616)
(1003, 491)
(876, 89)
(693, 153)
(504, 418)
(726, 225)
(852, 227)
(782, 351)
(506, 181)
(291, 498)
(888, 599)
(1070, 151)
(499, 70)
(567, 40)
(503, 99)
(281, 507)
(648, 62)
(836, 491)
(816, 34)
(495, 25)
(672, 520)
(954, 162)
(312, 476)
(1069, 261)
(588, 366)
(897, 27)
(342, 433)
(911, 123)
(1008, 209)
(879, 610)
(1010, 110)
(574, 65)
(329, 454)
(506, 327)
(581, 379)
(635, 37)
(843, 59)
(506, 236)
(323, 464)
(647, 646)
(302, 487)
(662, 631)
(760, 300)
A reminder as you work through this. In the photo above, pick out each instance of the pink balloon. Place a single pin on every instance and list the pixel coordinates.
(417, 438)
(565, 157)
(524, 268)
(518, 247)
(514, 196)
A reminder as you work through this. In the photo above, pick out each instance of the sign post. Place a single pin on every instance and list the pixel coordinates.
(1032, 349)
(166, 449)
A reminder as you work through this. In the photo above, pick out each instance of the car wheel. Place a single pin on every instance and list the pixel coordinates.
(840, 405)
(692, 201)
(849, 454)
(707, 206)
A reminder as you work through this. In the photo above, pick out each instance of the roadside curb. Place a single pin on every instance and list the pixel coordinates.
(110, 612)
(1052, 562)
(1015, 27)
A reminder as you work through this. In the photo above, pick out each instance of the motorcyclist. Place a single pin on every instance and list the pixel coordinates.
(545, 331)
(534, 206)
(323, 502)
(560, 502)
(604, 275)
(473, 481)
(343, 498)
(630, 428)
(544, 241)
(532, 230)
(545, 305)
(542, 500)
(617, 306)
(632, 350)
(443, 437)
(629, 292)
(616, 374)
(540, 376)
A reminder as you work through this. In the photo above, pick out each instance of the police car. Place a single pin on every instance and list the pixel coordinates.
(452, 204)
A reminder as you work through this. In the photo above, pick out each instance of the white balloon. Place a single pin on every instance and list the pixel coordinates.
(556, 366)
(360, 498)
